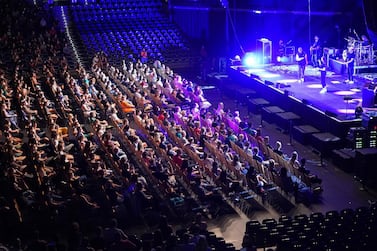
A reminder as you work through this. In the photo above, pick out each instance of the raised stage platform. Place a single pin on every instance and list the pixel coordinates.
(332, 112)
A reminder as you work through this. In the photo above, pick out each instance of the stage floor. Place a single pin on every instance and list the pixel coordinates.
(341, 98)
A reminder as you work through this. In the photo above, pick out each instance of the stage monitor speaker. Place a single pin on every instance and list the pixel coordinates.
(282, 85)
(368, 97)
(364, 169)
(266, 82)
(369, 121)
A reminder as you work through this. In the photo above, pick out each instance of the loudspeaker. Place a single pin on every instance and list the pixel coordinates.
(266, 82)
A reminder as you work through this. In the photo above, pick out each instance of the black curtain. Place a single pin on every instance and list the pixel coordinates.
(370, 14)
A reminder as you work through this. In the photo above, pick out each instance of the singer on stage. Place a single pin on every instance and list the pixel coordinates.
(302, 61)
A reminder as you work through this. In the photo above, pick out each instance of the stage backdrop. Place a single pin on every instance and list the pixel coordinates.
(272, 19)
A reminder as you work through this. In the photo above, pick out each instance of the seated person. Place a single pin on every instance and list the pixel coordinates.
(277, 148)
(256, 154)
(126, 105)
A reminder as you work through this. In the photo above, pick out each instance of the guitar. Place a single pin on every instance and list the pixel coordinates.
(314, 48)
(345, 57)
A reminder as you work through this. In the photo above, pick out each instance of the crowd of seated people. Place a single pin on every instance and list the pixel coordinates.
(69, 139)
(199, 125)
(65, 178)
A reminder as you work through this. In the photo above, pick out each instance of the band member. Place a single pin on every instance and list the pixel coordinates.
(364, 40)
(366, 50)
(302, 61)
(322, 68)
(350, 63)
(281, 48)
(315, 51)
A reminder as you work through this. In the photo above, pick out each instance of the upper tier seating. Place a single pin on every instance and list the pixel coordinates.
(122, 29)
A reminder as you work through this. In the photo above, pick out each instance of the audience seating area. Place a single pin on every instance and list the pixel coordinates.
(122, 29)
(345, 230)
(87, 154)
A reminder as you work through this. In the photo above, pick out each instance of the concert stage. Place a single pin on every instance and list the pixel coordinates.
(332, 112)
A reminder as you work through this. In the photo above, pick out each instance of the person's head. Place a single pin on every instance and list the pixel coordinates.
(278, 145)
(271, 163)
(266, 140)
(299, 49)
(294, 155)
(316, 38)
(255, 150)
(303, 162)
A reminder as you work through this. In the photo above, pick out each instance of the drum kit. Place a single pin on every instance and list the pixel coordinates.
(364, 54)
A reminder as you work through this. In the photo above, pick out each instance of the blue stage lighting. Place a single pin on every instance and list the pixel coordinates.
(250, 60)
(283, 59)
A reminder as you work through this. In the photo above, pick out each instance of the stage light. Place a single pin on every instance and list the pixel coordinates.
(251, 59)
(269, 75)
(314, 86)
(282, 59)
(344, 93)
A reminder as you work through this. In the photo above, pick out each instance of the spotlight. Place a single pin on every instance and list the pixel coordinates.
(249, 60)
(282, 59)
(252, 59)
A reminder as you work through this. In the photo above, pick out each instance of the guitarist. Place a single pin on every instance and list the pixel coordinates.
(315, 51)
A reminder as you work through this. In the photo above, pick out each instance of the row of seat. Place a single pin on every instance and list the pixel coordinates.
(124, 32)
(115, 3)
(345, 230)
(118, 14)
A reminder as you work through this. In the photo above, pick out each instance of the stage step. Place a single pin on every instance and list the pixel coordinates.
(302, 133)
(286, 120)
(344, 159)
(325, 143)
(268, 113)
(255, 104)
